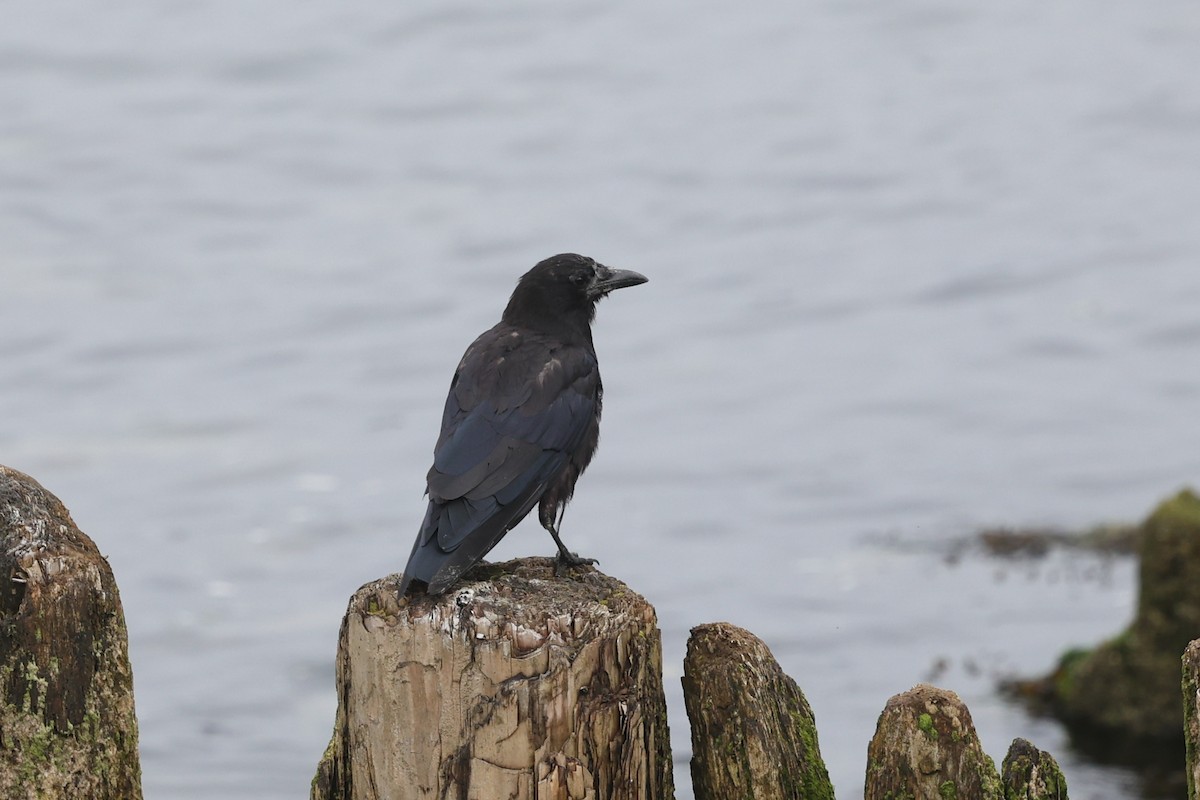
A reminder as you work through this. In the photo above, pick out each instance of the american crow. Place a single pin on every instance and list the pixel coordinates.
(521, 422)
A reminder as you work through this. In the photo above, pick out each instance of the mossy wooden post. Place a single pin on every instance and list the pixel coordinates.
(67, 725)
(1191, 716)
(1031, 774)
(1127, 689)
(753, 732)
(925, 747)
(515, 684)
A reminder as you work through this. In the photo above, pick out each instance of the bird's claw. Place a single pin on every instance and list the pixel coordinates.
(567, 559)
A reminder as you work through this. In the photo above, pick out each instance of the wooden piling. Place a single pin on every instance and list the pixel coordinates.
(1031, 774)
(1191, 716)
(1123, 695)
(925, 747)
(753, 732)
(515, 684)
(67, 724)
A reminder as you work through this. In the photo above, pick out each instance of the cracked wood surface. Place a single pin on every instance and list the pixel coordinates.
(516, 684)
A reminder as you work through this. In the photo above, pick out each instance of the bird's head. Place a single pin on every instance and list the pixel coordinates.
(565, 286)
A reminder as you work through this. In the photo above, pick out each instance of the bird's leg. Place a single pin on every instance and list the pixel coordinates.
(566, 559)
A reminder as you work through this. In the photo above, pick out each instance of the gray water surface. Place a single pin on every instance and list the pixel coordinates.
(914, 269)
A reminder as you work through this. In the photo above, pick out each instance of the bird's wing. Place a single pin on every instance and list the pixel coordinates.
(517, 408)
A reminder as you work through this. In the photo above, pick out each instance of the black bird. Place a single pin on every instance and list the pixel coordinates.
(521, 422)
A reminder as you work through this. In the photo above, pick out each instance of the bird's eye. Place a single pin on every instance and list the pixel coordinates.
(580, 278)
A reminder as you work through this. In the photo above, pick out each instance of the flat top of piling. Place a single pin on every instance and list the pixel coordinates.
(523, 600)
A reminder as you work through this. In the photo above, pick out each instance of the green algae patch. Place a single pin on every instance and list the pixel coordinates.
(926, 726)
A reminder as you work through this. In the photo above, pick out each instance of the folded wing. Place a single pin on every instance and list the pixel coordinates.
(517, 408)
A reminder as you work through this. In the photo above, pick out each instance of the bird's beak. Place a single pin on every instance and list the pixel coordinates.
(608, 280)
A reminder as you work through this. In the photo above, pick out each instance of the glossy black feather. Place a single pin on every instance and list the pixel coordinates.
(521, 420)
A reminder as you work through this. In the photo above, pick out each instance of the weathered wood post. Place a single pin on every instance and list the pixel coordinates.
(1031, 774)
(67, 724)
(1191, 716)
(516, 684)
(753, 732)
(925, 747)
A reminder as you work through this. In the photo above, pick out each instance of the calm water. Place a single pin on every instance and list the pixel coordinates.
(913, 270)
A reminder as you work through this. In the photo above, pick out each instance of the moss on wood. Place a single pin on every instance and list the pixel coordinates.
(1127, 688)
(753, 731)
(1031, 774)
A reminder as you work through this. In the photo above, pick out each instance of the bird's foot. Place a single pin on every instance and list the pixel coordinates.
(566, 559)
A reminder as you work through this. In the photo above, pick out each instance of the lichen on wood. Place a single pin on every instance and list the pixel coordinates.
(753, 731)
(516, 684)
(925, 748)
(67, 724)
